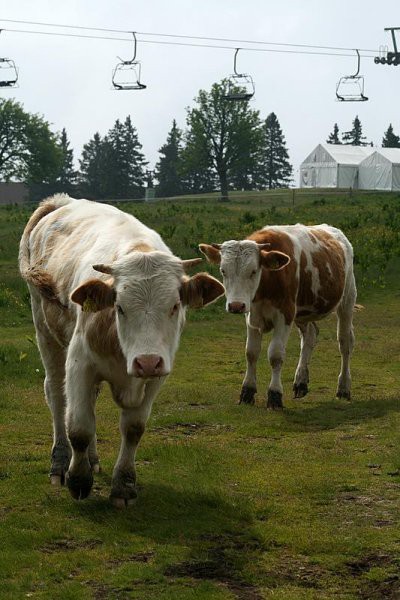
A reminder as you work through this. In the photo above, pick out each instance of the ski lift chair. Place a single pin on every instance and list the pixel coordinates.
(240, 85)
(350, 88)
(126, 74)
(8, 73)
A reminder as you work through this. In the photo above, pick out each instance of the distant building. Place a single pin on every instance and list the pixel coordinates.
(333, 166)
(13, 193)
(380, 171)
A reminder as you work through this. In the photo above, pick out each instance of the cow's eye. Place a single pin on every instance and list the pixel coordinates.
(222, 271)
(253, 273)
(174, 309)
(119, 309)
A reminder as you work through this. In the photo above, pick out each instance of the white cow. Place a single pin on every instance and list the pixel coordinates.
(108, 302)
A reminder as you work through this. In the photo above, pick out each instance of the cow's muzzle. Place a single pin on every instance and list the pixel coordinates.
(237, 307)
(149, 365)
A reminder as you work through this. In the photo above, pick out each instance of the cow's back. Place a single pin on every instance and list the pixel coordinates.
(65, 237)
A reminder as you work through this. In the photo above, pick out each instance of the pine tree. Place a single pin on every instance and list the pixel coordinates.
(167, 168)
(275, 170)
(67, 175)
(354, 137)
(390, 139)
(125, 171)
(334, 136)
(92, 168)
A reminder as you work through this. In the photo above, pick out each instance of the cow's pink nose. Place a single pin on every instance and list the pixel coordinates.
(148, 365)
(236, 307)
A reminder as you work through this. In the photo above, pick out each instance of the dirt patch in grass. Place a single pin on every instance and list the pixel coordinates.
(141, 557)
(227, 558)
(68, 544)
(297, 570)
(388, 587)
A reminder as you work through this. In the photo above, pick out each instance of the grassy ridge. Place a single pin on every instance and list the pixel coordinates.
(235, 502)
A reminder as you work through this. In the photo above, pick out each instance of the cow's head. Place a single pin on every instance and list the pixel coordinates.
(241, 264)
(149, 293)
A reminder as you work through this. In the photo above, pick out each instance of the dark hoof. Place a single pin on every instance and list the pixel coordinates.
(247, 395)
(274, 401)
(300, 390)
(123, 490)
(343, 394)
(79, 485)
(60, 459)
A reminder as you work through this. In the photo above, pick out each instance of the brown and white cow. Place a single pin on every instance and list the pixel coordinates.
(282, 275)
(108, 302)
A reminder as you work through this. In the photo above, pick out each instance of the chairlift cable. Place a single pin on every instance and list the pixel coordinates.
(189, 37)
(187, 44)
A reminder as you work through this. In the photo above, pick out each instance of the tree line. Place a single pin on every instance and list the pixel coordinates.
(225, 146)
(355, 136)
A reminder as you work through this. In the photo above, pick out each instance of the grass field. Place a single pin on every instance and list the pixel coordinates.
(234, 502)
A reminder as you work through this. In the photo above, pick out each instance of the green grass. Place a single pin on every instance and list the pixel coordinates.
(234, 501)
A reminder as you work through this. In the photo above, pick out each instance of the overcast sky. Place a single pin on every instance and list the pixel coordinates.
(68, 80)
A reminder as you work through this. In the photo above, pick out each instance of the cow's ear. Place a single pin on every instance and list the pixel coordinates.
(200, 290)
(212, 252)
(274, 260)
(94, 295)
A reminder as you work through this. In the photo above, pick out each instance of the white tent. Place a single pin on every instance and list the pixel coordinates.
(331, 165)
(381, 170)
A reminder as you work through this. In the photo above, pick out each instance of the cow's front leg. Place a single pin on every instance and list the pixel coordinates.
(81, 426)
(276, 356)
(253, 348)
(308, 334)
(132, 425)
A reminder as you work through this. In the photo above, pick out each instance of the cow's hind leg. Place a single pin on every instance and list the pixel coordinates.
(53, 358)
(132, 425)
(308, 339)
(276, 356)
(253, 348)
(345, 336)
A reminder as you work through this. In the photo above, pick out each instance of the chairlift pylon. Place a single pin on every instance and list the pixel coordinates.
(126, 74)
(240, 85)
(350, 88)
(387, 57)
(8, 72)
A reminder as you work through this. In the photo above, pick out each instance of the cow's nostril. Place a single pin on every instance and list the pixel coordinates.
(236, 307)
(148, 365)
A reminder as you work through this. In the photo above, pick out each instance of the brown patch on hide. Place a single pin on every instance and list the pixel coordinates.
(44, 283)
(329, 260)
(101, 333)
(278, 287)
(140, 247)
(94, 295)
(200, 290)
(286, 292)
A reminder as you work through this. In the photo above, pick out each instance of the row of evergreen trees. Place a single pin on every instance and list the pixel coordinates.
(225, 146)
(355, 136)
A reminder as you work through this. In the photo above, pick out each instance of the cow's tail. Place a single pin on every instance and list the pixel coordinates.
(33, 273)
